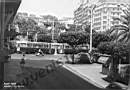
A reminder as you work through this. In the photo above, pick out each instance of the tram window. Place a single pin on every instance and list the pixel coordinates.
(66, 46)
(23, 45)
(34, 45)
(29, 45)
(45, 46)
(40, 45)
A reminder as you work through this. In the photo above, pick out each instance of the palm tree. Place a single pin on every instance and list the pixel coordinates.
(122, 32)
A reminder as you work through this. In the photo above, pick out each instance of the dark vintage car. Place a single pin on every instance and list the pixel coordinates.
(83, 58)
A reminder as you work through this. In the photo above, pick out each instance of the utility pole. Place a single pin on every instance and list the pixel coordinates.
(91, 31)
(36, 37)
(53, 28)
(2, 28)
(91, 28)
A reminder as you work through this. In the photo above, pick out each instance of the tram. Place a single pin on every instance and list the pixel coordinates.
(28, 44)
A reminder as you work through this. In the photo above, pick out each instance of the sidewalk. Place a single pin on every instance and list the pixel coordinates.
(90, 72)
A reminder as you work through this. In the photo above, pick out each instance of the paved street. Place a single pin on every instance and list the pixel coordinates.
(69, 76)
(34, 57)
(62, 78)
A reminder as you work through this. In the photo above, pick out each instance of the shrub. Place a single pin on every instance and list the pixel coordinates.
(118, 51)
(72, 51)
(113, 48)
(125, 78)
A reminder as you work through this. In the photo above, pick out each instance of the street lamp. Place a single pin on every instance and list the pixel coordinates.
(53, 28)
(91, 14)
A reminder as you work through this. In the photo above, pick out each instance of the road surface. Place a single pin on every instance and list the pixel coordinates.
(61, 78)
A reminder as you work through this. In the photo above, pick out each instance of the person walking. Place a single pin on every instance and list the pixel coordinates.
(22, 62)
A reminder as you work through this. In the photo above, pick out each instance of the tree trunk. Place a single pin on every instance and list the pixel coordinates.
(73, 59)
(73, 55)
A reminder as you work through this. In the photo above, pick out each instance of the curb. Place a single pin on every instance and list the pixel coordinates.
(123, 86)
(84, 77)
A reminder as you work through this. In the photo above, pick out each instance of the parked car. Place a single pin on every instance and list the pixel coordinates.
(83, 58)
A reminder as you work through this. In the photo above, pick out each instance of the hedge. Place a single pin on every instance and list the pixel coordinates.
(113, 48)
(76, 51)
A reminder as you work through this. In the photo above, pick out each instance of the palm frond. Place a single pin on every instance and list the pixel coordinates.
(122, 32)
(122, 38)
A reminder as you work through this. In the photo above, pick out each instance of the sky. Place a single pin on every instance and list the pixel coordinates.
(58, 8)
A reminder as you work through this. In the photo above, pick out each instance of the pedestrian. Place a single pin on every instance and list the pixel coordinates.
(18, 49)
(40, 52)
(22, 62)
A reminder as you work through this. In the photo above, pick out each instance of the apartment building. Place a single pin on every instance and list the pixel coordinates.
(102, 14)
(82, 14)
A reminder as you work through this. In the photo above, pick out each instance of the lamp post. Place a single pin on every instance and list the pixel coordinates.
(53, 28)
(91, 32)
(36, 36)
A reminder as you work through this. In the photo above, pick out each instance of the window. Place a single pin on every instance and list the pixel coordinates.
(113, 13)
(118, 13)
(114, 8)
(104, 22)
(104, 27)
(104, 17)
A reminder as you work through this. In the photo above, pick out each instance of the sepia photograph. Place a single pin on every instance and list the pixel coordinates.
(64, 44)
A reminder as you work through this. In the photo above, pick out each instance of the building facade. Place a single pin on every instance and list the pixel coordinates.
(101, 17)
(82, 15)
